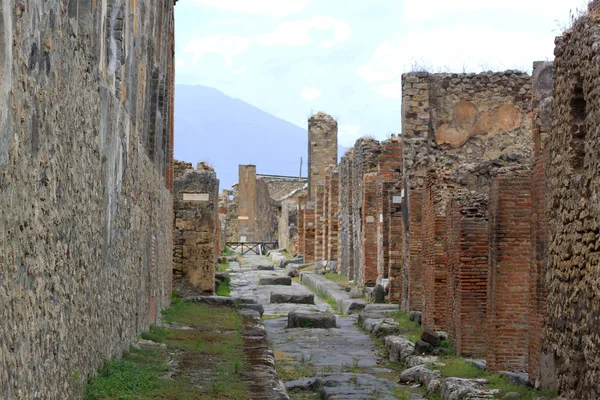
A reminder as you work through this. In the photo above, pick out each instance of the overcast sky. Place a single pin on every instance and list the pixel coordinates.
(292, 58)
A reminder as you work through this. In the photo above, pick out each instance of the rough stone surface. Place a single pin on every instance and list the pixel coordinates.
(195, 244)
(378, 295)
(356, 292)
(322, 320)
(419, 374)
(276, 280)
(291, 296)
(85, 190)
(467, 389)
(322, 148)
(430, 337)
(422, 347)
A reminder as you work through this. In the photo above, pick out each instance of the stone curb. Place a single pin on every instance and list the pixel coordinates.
(344, 303)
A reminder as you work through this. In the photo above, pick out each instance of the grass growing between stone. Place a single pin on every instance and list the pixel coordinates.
(203, 358)
(290, 369)
(410, 329)
(340, 279)
(322, 295)
(224, 288)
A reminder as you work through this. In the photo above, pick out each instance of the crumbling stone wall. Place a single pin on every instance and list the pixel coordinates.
(396, 244)
(509, 270)
(467, 259)
(365, 157)
(265, 227)
(573, 210)
(86, 212)
(195, 233)
(456, 120)
(322, 148)
(346, 223)
(257, 212)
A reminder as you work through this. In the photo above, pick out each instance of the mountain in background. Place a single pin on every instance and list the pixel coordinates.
(211, 126)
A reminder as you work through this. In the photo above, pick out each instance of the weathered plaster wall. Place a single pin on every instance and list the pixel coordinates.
(573, 210)
(86, 212)
(195, 233)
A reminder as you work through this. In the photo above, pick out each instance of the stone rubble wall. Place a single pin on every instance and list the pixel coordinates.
(322, 149)
(571, 338)
(346, 225)
(333, 204)
(86, 217)
(196, 231)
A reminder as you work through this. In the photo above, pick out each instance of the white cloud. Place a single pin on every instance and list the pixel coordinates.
(275, 8)
(310, 94)
(226, 46)
(296, 33)
(392, 90)
(240, 71)
(386, 63)
(348, 134)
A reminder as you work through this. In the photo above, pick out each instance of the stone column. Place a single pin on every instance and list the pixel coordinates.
(247, 202)
(322, 148)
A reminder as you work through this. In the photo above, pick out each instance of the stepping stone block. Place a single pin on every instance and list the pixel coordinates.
(276, 280)
(320, 320)
(280, 296)
(265, 268)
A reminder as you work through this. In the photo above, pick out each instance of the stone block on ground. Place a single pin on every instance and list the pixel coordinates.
(316, 320)
(276, 280)
(419, 374)
(415, 316)
(381, 327)
(422, 347)
(255, 307)
(291, 270)
(431, 337)
(399, 348)
(518, 378)
(382, 308)
(292, 296)
(357, 292)
(460, 388)
(222, 276)
(378, 294)
(265, 267)
(351, 306)
(219, 300)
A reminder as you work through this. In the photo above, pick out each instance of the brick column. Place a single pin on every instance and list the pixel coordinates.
(346, 227)
(302, 200)
(434, 251)
(368, 265)
(396, 240)
(413, 251)
(325, 215)
(319, 223)
(332, 229)
(309, 233)
(467, 265)
(383, 228)
(509, 270)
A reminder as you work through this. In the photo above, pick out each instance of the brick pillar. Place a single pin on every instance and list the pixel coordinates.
(326, 205)
(509, 270)
(383, 228)
(309, 233)
(414, 272)
(467, 264)
(319, 222)
(434, 251)
(302, 199)
(334, 203)
(368, 265)
(346, 226)
(396, 240)
(543, 77)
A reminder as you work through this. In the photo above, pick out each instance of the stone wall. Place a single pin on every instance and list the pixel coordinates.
(309, 233)
(302, 201)
(257, 210)
(573, 211)
(195, 233)
(396, 244)
(322, 148)
(85, 154)
(333, 201)
(368, 241)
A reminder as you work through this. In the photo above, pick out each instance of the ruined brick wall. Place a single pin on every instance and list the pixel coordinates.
(301, 206)
(456, 120)
(543, 85)
(309, 233)
(322, 148)
(233, 232)
(319, 196)
(368, 241)
(267, 214)
(181, 167)
(467, 266)
(573, 210)
(346, 225)
(195, 233)
(396, 244)
(325, 215)
(333, 200)
(389, 171)
(86, 214)
(365, 157)
(438, 189)
(509, 271)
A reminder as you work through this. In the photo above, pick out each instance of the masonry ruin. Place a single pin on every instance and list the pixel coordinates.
(86, 144)
(196, 229)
